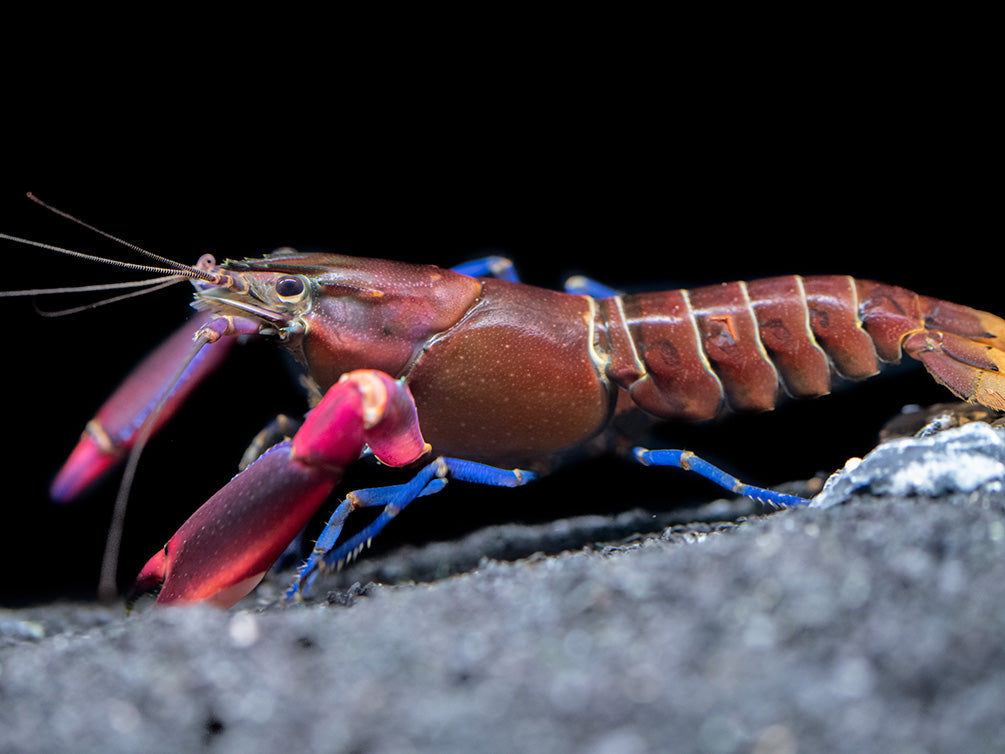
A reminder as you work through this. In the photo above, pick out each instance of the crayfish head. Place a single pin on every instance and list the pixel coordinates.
(274, 290)
(340, 313)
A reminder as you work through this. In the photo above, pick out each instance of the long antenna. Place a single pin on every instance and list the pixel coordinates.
(175, 271)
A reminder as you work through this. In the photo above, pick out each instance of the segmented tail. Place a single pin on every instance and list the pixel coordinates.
(963, 349)
(686, 354)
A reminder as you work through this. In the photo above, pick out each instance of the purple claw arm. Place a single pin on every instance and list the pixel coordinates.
(108, 437)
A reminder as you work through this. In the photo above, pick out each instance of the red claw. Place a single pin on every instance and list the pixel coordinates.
(113, 431)
(87, 464)
(221, 553)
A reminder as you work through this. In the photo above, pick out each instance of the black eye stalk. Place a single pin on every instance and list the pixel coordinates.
(290, 287)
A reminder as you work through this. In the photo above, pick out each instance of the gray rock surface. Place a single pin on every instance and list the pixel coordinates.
(959, 460)
(874, 625)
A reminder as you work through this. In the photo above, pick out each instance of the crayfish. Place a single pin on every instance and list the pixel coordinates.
(467, 373)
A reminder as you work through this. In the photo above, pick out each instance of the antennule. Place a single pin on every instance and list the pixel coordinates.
(93, 229)
(172, 266)
(154, 286)
(176, 269)
(173, 278)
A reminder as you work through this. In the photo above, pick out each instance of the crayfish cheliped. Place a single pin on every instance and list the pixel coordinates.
(477, 374)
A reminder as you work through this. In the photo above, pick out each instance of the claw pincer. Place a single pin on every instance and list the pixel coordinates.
(221, 552)
(112, 432)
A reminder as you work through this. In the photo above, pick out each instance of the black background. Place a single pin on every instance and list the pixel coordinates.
(671, 183)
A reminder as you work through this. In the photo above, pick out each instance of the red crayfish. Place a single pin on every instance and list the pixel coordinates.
(485, 374)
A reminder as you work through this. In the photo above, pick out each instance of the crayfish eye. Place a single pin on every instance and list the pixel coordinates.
(290, 288)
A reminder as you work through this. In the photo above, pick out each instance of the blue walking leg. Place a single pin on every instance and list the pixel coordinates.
(431, 479)
(502, 268)
(685, 459)
(584, 286)
(494, 266)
